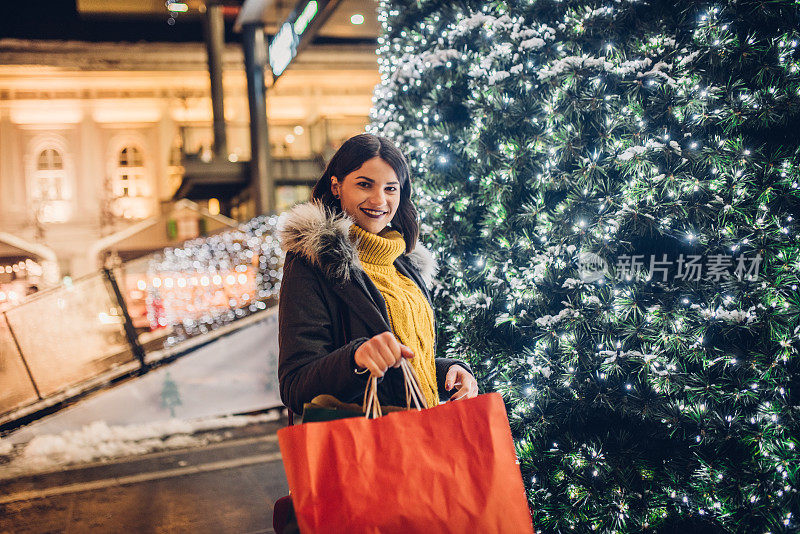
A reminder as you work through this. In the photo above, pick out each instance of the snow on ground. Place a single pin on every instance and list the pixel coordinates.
(98, 442)
(236, 373)
(178, 405)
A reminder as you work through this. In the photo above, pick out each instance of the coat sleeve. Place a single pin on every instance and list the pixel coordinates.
(442, 365)
(309, 364)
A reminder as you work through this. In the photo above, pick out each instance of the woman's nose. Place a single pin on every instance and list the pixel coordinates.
(379, 199)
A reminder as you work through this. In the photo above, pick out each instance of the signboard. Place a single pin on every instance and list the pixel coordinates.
(285, 44)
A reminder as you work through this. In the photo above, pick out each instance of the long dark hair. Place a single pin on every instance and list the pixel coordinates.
(350, 157)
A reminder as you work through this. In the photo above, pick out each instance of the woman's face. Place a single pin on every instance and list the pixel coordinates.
(370, 194)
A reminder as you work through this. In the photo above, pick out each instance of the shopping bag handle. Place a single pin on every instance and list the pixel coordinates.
(372, 407)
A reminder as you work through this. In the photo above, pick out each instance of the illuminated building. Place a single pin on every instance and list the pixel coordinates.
(91, 134)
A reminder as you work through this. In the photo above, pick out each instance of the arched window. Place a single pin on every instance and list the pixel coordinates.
(49, 186)
(130, 186)
(130, 176)
(50, 175)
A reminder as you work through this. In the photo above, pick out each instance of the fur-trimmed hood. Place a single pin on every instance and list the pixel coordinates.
(323, 238)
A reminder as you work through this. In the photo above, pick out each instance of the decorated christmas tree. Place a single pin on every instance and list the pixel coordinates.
(611, 189)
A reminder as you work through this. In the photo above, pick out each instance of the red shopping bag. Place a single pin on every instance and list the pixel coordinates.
(451, 468)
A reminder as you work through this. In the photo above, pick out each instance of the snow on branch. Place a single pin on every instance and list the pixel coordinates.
(572, 63)
(412, 66)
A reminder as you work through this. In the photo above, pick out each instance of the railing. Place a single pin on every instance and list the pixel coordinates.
(289, 171)
(59, 338)
(118, 322)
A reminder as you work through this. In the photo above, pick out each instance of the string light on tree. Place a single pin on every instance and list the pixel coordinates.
(614, 129)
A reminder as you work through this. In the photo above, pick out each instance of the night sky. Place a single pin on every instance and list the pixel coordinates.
(59, 19)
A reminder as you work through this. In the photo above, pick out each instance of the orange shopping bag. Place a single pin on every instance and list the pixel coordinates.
(451, 468)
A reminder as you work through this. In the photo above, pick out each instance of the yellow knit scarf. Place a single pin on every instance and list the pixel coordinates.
(410, 315)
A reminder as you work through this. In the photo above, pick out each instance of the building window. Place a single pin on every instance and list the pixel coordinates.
(50, 176)
(130, 186)
(130, 173)
(49, 188)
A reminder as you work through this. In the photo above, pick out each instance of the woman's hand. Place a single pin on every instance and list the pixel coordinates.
(381, 352)
(458, 376)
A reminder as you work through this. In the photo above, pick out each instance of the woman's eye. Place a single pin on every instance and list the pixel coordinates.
(391, 188)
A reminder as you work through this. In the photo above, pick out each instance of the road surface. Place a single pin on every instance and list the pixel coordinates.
(225, 487)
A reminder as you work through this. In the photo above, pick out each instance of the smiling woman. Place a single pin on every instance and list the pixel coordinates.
(371, 194)
(369, 173)
(355, 292)
(355, 297)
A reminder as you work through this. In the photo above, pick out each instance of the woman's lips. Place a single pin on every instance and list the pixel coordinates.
(373, 215)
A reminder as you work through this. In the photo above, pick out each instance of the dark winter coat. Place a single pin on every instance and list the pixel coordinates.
(329, 306)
